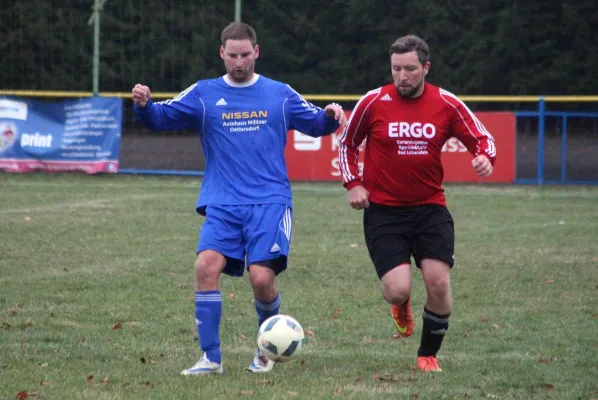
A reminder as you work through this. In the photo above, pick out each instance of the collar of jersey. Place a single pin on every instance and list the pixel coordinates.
(250, 82)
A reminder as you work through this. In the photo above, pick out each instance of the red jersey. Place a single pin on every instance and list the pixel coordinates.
(404, 139)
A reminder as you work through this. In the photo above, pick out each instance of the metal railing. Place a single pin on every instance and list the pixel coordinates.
(541, 113)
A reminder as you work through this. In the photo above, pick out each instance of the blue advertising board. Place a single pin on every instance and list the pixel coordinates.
(73, 135)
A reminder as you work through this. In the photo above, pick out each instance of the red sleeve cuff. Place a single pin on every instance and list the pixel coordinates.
(352, 184)
(491, 159)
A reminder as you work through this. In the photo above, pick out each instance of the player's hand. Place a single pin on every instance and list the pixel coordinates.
(358, 198)
(336, 111)
(482, 166)
(141, 95)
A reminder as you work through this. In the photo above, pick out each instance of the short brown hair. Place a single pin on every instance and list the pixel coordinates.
(410, 43)
(238, 31)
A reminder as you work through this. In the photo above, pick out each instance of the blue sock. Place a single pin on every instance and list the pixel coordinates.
(208, 310)
(266, 310)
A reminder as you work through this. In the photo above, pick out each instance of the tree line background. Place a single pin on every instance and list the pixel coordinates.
(483, 47)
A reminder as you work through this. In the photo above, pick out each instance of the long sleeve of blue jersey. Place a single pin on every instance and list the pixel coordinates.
(308, 118)
(181, 112)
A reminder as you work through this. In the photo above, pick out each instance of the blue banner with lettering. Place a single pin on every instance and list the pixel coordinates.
(72, 135)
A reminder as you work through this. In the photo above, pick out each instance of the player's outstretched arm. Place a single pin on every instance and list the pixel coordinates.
(310, 119)
(174, 114)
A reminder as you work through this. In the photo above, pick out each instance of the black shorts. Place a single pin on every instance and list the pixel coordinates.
(394, 234)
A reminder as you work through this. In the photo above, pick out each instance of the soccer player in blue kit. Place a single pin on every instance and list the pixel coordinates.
(243, 119)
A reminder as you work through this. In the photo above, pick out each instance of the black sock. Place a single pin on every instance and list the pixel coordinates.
(435, 326)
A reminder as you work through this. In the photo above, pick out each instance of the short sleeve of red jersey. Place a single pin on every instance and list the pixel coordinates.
(351, 138)
(468, 129)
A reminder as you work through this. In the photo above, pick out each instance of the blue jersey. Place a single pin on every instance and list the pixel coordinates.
(243, 130)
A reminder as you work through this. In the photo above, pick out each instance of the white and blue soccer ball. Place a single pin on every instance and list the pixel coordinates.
(280, 338)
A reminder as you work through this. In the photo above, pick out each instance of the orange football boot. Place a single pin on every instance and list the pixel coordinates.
(403, 318)
(428, 364)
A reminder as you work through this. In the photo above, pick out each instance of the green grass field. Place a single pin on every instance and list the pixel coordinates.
(96, 297)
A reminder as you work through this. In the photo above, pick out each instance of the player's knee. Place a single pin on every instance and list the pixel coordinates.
(261, 281)
(396, 294)
(396, 298)
(439, 288)
(208, 267)
(396, 284)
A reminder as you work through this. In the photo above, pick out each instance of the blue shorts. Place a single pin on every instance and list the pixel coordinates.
(252, 233)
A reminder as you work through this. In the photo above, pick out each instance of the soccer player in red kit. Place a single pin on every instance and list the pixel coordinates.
(405, 125)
